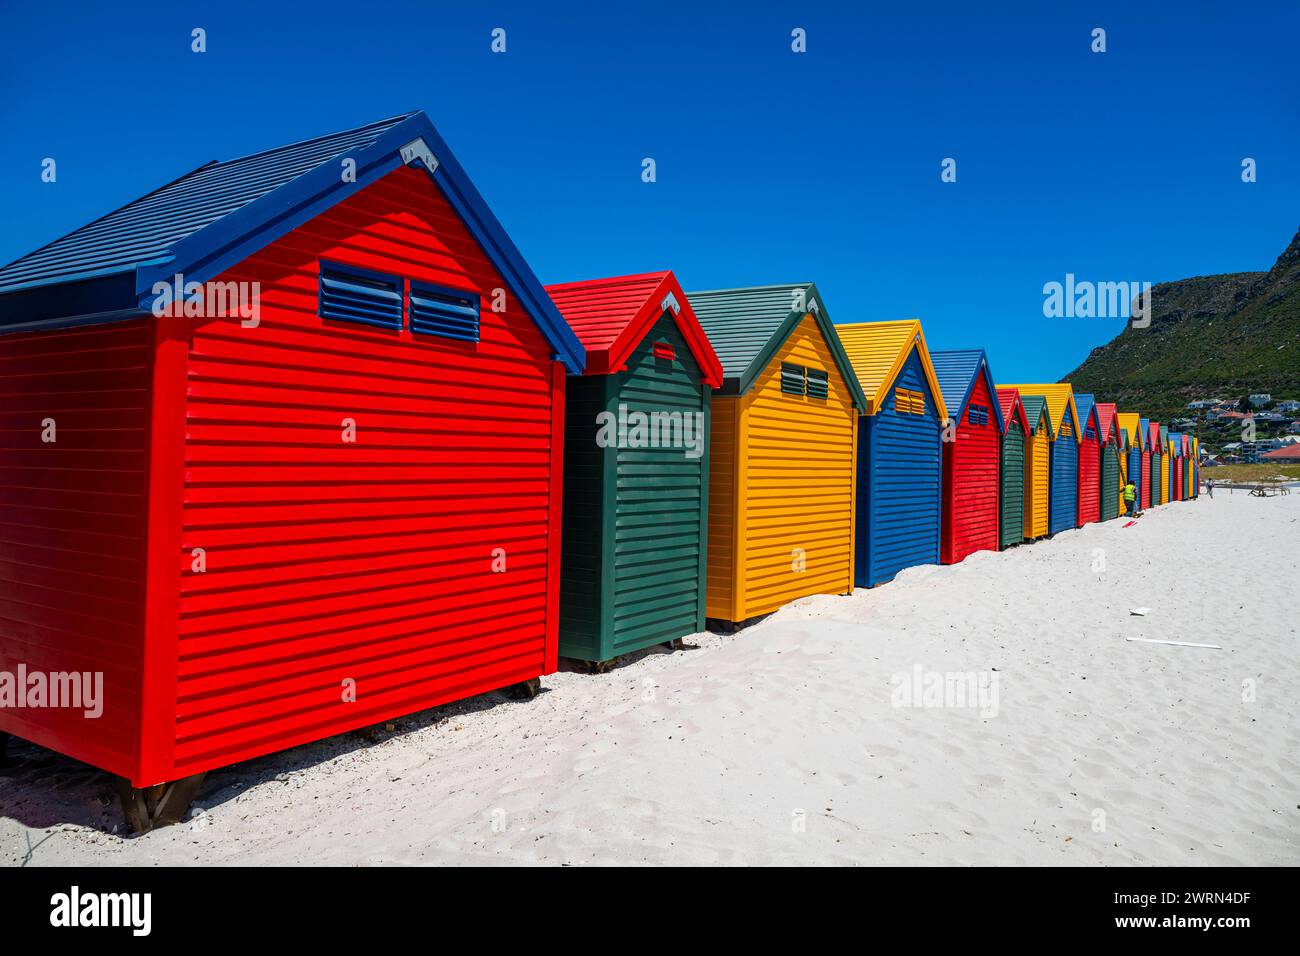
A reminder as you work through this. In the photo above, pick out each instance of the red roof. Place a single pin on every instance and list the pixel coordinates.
(1009, 399)
(1106, 421)
(612, 316)
(1289, 452)
(1153, 436)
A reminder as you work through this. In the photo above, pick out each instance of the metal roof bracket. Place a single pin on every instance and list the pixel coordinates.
(419, 149)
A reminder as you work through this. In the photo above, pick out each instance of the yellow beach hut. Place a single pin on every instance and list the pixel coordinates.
(1196, 468)
(782, 479)
(1166, 455)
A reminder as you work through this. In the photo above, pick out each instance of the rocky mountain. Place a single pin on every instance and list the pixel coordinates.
(1211, 336)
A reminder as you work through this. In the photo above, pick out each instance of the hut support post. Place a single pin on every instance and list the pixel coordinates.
(148, 808)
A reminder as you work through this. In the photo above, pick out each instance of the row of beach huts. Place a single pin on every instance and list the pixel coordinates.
(298, 443)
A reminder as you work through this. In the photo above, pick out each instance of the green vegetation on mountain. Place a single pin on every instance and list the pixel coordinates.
(1221, 336)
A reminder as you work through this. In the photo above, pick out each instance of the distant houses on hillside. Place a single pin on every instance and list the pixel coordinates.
(1218, 418)
(1218, 407)
(1253, 452)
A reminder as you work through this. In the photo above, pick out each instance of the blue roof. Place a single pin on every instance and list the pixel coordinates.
(957, 371)
(211, 218)
(1087, 407)
(147, 228)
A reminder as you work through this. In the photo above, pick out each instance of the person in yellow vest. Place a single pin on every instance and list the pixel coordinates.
(1131, 499)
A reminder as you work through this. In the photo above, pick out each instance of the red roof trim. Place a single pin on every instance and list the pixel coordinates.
(1013, 407)
(1108, 421)
(630, 306)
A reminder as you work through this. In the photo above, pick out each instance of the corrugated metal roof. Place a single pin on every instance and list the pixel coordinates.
(1034, 405)
(1131, 423)
(747, 326)
(1013, 408)
(1008, 398)
(611, 317)
(205, 223)
(146, 229)
(878, 351)
(1086, 404)
(741, 322)
(1105, 419)
(956, 370)
(599, 310)
(1060, 401)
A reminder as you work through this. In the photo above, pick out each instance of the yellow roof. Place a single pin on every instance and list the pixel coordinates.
(1060, 399)
(877, 352)
(1132, 422)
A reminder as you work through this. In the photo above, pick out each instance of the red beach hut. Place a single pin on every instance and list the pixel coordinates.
(1089, 460)
(970, 453)
(317, 490)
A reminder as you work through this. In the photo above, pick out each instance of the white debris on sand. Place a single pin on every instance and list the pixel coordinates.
(783, 744)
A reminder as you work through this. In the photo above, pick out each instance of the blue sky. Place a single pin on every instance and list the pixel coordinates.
(771, 166)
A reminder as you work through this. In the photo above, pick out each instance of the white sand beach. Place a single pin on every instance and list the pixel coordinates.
(782, 744)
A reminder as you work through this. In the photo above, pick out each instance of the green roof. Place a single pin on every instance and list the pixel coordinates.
(1034, 408)
(747, 327)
